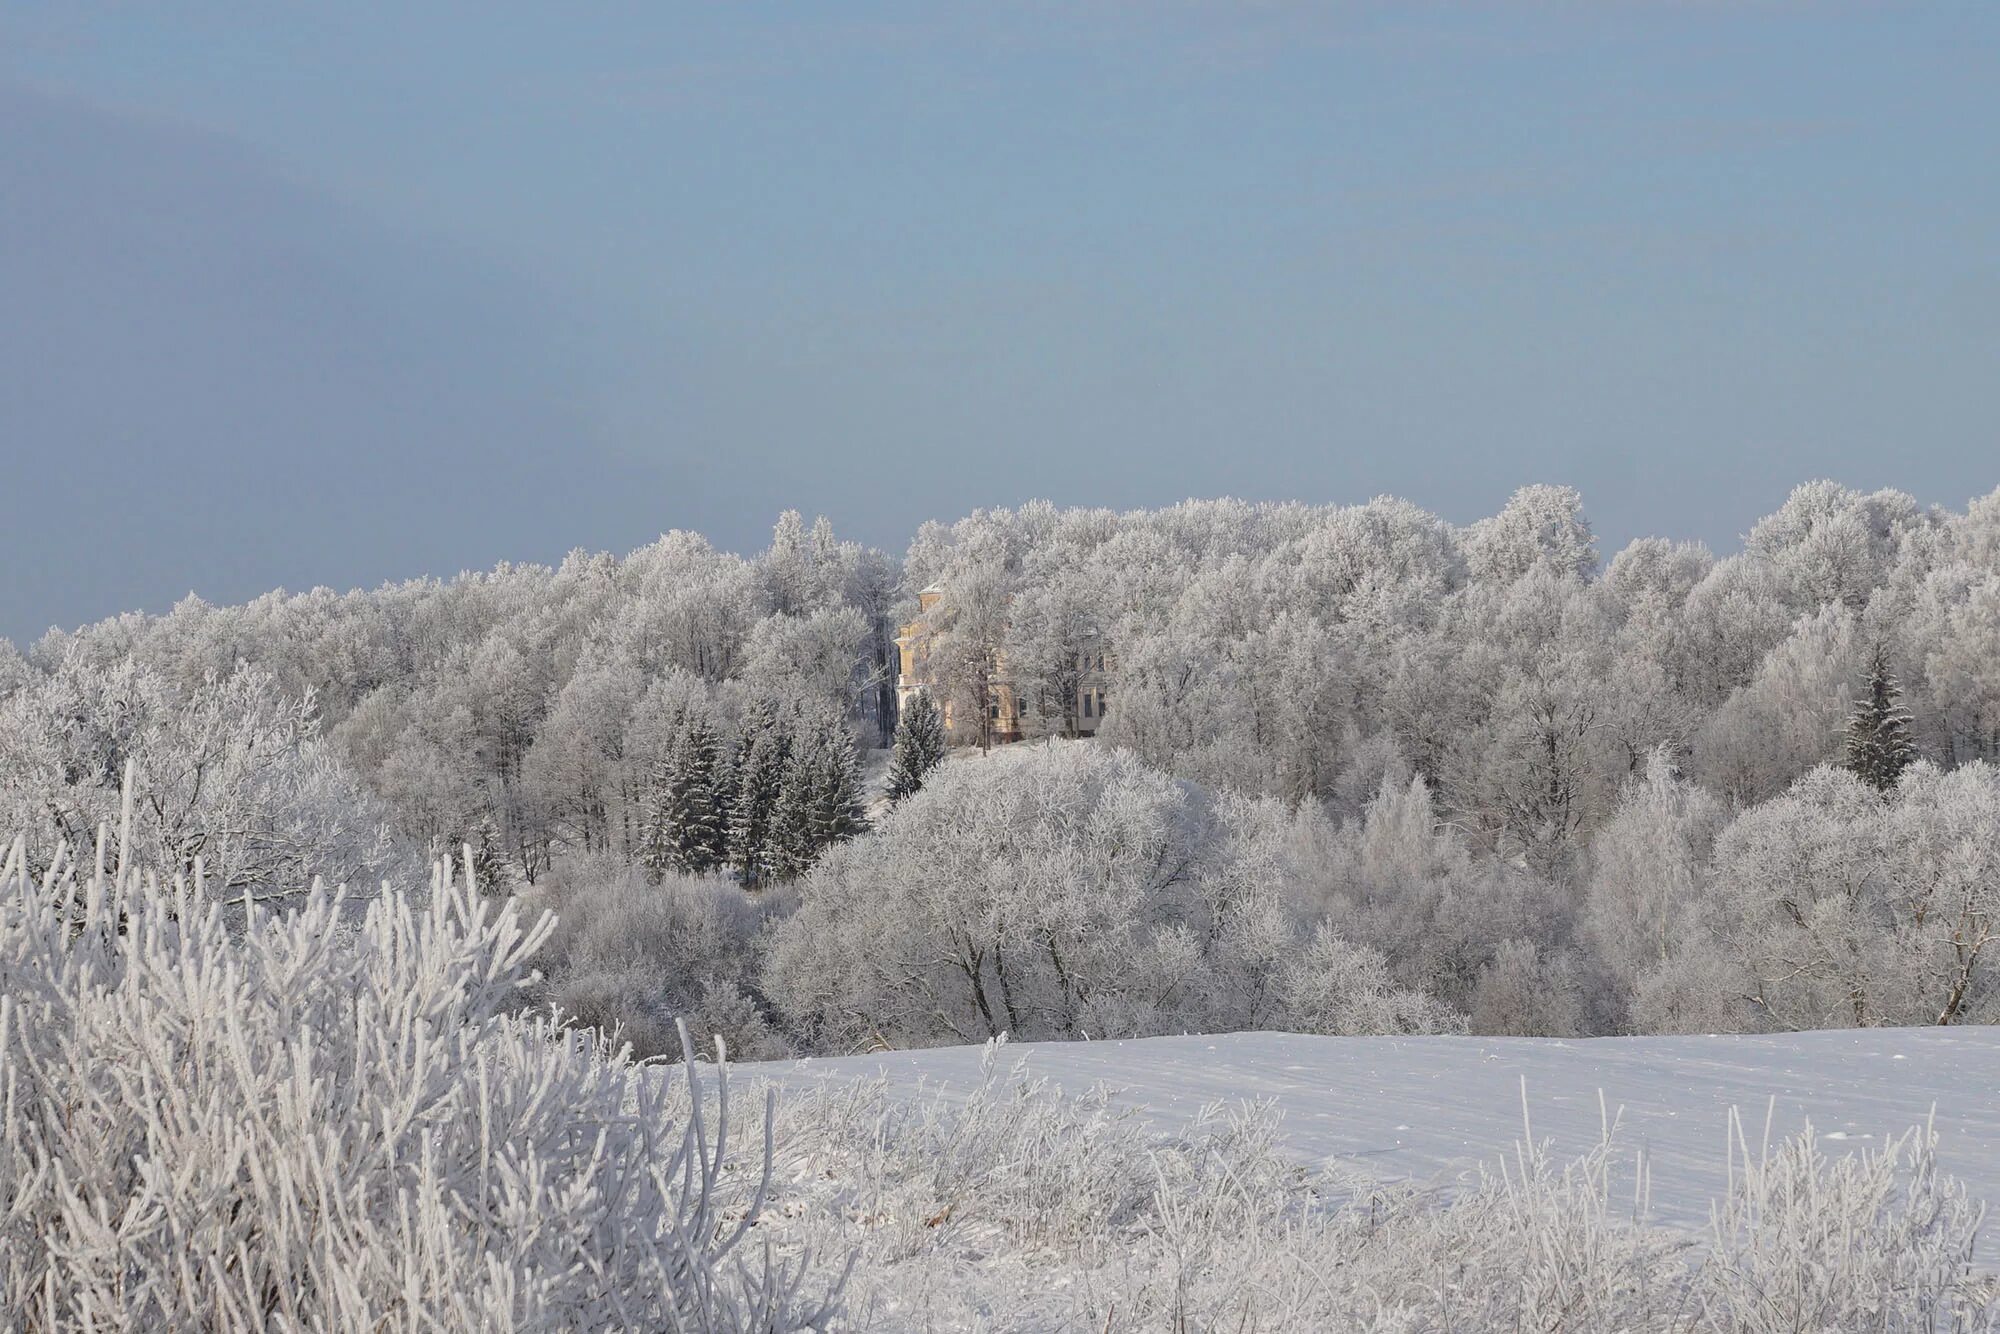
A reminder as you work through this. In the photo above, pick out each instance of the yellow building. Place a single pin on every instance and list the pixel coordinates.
(1008, 709)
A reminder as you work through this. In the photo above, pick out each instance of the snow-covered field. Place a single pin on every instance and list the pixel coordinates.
(1431, 1108)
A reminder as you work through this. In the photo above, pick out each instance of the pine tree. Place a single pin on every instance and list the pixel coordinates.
(1879, 747)
(689, 831)
(919, 746)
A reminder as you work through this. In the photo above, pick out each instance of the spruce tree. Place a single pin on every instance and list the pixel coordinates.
(1878, 730)
(919, 746)
(489, 868)
(791, 839)
(689, 832)
(762, 754)
(838, 814)
(819, 800)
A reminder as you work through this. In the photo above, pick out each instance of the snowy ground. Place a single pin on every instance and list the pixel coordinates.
(1430, 1109)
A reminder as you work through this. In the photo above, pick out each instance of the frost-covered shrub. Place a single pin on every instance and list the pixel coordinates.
(1013, 1205)
(1874, 1241)
(632, 956)
(1336, 987)
(1524, 992)
(275, 1123)
(1013, 1158)
(1697, 991)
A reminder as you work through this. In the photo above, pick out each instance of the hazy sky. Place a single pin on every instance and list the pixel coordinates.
(291, 296)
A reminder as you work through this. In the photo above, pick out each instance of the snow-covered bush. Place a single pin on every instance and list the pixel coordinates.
(276, 1123)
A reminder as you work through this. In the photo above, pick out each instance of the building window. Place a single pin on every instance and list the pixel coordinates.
(1088, 699)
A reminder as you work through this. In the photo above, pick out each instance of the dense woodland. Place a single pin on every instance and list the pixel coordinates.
(1363, 770)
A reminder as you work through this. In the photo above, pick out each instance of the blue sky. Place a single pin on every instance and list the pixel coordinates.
(293, 296)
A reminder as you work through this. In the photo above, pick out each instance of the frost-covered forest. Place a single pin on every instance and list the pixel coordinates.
(1363, 771)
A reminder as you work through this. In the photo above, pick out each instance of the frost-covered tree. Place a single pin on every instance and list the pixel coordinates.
(964, 634)
(687, 829)
(1053, 644)
(839, 806)
(819, 798)
(804, 570)
(1541, 527)
(816, 655)
(1404, 881)
(763, 751)
(1649, 874)
(1948, 634)
(576, 763)
(1879, 747)
(873, 591)
(1532, 769)
(235, 776)
(919, 747)
(1305, 655)
(1832, 545)
(1733, 616)
(1847, 909)
(1790, 717)
(14, 669)
(688, 606)
(1057, 891)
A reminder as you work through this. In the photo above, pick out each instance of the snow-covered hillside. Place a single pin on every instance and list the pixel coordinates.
(1431, 1108)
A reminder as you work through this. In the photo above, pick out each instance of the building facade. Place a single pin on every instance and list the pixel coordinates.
(1011, 709)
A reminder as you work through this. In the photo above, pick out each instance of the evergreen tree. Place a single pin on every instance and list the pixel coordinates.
(819, 801)
(489, 867)
(838, 812)
(762, 753)
(791, 840)
(1878, 730)
(919, 746)
(689, 831)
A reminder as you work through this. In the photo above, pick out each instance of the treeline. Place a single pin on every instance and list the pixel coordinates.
(1546, 792)
(530, 712)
